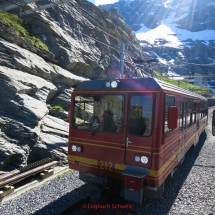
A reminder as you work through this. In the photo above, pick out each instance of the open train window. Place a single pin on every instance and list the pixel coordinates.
(102, 113)
(169, 101)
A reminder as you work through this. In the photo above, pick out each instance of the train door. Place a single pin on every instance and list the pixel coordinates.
(138, 143)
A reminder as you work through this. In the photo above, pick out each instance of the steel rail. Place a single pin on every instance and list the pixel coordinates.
(9, 174)
(21, 176)
(23, 169)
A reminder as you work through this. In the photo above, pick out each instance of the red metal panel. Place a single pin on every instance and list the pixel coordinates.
(172, 117)
(132, 183)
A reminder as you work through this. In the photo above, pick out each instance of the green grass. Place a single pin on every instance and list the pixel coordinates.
(107, 57)
(59, 176)
(54, 67)
(41, 127)
(17, 24)
(57, 107)
(183, 84)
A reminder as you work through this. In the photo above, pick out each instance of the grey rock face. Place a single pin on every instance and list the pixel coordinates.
(16, 141)
(27, 84)
(23, 96)
(75, 34)
(190, 15)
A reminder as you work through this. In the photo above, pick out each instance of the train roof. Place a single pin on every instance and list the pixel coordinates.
(135, 84)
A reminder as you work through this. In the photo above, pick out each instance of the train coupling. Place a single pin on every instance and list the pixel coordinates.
(95, 186)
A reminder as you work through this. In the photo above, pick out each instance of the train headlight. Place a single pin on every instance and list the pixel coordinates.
(137, 158)
(114, 84)
(74, 148)
(107, 84)
(78, 149)
(144, 160)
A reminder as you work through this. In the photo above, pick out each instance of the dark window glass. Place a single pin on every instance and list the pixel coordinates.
(182, 116)
(189, 112)
(140, 115)
(194, 111)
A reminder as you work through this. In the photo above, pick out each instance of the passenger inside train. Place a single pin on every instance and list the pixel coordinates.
(108, 122)
(137, 125)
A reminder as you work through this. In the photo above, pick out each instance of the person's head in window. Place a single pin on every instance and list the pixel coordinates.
(108, 122)
(137, 125)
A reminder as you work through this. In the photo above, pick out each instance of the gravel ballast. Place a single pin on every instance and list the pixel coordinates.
(190, 191)
(49, 199)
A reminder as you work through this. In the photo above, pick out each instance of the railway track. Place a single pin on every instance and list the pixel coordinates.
(11, 179)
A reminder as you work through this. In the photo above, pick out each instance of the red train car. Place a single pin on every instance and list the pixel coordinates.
(132, 133)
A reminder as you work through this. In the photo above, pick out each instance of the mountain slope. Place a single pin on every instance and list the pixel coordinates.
(175, 31)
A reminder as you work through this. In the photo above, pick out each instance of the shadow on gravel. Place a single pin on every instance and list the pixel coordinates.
(173, 185)
(60, 204)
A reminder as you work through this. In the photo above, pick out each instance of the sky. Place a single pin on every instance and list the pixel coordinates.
(99, 2)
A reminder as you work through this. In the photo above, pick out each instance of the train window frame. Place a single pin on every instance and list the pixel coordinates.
(203, 112)
(152, 116)
(183, 116)
(213, 123)
(194, 111)
(121, 130)
(190, 104)
(166, 129)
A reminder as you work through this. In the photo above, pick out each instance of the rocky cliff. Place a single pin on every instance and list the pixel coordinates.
(44, 56)
(175, 32)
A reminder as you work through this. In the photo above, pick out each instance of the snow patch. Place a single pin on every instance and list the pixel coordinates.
(162, 32)
(173, 75)
(162, 60)
(172, 35)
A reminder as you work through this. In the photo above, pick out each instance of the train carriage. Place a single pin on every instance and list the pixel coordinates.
(132, 132)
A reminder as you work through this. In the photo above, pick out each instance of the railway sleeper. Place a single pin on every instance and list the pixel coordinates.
(46, 173)
(6, 191)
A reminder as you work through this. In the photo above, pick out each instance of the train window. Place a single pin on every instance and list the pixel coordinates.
(194, 111)
(99, 112)
(189, 112)
(203, 109)
(169, 101)
(182, 116)
(140, 115)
